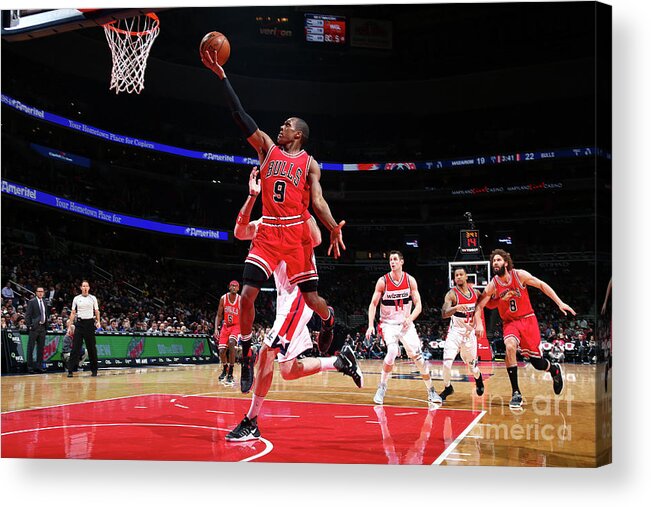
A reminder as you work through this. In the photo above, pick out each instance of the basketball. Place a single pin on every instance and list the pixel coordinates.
(216, 41)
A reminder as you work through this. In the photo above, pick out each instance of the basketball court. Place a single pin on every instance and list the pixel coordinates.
(183, 413)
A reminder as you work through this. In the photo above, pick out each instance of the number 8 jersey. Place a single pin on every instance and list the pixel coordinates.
(512, 298)
(285, 191)
(396, 300)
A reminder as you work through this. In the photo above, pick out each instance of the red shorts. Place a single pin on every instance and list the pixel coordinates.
(287, 241)
(527, 332)
(226, 333)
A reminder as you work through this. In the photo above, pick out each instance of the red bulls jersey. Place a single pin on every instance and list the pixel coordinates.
(231, 310)
(512, 298)
(283, 176)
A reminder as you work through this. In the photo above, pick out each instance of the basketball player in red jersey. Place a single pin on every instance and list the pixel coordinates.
(289, 180)
(459, 307)
(289, 336)
(229, 314)
(521, 330)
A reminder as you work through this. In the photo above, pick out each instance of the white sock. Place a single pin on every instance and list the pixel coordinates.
(256, 405)
(384, 377)
(327, 363)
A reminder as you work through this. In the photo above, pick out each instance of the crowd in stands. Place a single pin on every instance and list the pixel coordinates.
(155, 298)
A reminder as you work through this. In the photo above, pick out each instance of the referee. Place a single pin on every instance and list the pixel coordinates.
(86, 309)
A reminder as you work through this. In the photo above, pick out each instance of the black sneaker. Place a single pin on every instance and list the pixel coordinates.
(229, 380)
(479, 385)
(557, 377)
(516, 400)
(347, 364)
(447, 392)
(70, 375)
(94, 374)
(246, 377)
(223, 375)
(324, 340)
(246, 430)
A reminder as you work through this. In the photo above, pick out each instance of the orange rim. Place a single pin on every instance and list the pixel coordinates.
(151, 15)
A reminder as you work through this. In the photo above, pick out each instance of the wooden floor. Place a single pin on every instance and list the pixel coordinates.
(565, 430)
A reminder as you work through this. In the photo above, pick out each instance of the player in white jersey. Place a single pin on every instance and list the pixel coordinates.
(396, 291)
(289, 337)
(459, 307)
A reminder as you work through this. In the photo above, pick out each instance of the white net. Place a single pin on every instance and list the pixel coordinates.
(130, 41)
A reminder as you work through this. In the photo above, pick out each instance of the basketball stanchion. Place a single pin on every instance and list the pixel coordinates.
(130, 41)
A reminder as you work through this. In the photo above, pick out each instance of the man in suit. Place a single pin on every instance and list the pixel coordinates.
(36, 320)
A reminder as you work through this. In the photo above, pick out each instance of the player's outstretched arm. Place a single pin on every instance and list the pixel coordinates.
(260, 141)
(322, 210)
(244, 229)
(372, 307)
(528, 279)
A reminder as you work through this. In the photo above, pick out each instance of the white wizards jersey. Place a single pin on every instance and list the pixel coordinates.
(464, 321)
(396, 300)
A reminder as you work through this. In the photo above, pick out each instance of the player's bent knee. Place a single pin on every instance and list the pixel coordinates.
(307, 287)
(253, 276)
(539, 363)
(392, 353)
(447, 363)
(288, 370)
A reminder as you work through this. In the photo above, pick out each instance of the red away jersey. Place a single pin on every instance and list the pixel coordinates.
(512, 298)
(283, 176)
(231, 310)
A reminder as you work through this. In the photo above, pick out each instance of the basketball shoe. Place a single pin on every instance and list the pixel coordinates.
(557, 377)
(347, 364)
(246, 377)
(379, 394)
(246, 430)
(224, 373)
(479, 385)
(433, 397)
(447, 392)
(516, 400)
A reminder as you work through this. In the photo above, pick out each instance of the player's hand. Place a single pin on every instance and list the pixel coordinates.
(98, 325)
(209, 59)
(370, 332)
(254, 182)
(479, 329)
(336, 240)
(566, 308)
(406, 324)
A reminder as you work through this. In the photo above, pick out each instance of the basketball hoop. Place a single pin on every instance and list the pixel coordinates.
(130, 41)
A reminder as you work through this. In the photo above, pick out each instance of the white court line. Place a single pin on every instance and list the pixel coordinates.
(473, 436)
(139, 407)
(219, 412)
(351, 416)
(373, 422)
(268, 445)
(454, 459)
(86, 401)
(459, 454)
(406, 413)
(180, 406)
(451, 447)
(280, 415)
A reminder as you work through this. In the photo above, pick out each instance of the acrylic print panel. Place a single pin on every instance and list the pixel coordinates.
(443, 132)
